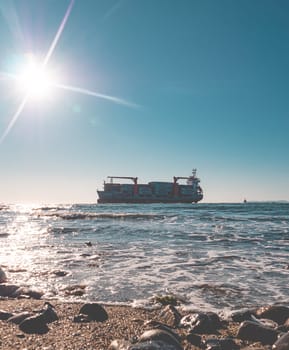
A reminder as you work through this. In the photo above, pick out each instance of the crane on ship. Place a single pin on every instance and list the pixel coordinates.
(134, 179)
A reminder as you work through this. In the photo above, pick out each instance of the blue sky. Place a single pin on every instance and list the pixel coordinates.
(206, 84)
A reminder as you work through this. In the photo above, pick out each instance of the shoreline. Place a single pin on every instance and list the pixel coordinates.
(124, 322)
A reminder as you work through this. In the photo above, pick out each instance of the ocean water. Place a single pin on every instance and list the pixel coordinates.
(211, 256)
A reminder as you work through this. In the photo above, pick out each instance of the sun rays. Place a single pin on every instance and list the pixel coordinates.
(58, 33)
(87, 92)
(35, 81)
(14, 119)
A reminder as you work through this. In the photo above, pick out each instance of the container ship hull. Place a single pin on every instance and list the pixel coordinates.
(152, 192)
(135, 200)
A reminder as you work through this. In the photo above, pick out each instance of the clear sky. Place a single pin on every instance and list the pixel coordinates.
(199, 84)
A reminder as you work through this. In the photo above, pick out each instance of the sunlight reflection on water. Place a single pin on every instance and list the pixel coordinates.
(123, 253)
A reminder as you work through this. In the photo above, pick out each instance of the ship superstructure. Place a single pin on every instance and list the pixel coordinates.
(152, 192)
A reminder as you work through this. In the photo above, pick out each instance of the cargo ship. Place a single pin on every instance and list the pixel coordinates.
(152, 192)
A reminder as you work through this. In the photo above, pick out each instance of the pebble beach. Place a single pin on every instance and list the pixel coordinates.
(123, 329)
(65, 334)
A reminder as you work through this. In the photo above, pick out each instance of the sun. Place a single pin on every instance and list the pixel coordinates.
(34, 79)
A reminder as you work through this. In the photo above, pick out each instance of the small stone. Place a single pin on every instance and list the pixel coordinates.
(215, 320)
(166, 299)
(34, 325)
(285, 326)
(34, 294)
(20, 335)
(75, 290)
(60, 273)
(94, 312)
(26, 292)
(4, 234)
(240, 316)
(119, 344)
(8, 290)
(194, 339)
(277, 313)
(160, 335)
(81, 318)
(48, 313)
(265, 322)
(201, 323)
(3, 277)
(158, 325)
(4, 315)
(282, 343)
(253, 331)
(170, 315)
(220, 344)
(153, 345)
(18, 318)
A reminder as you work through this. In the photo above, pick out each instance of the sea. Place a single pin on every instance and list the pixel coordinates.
(216, 257)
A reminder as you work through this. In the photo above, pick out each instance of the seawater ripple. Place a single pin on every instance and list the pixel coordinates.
(214, 256)
(87, 216)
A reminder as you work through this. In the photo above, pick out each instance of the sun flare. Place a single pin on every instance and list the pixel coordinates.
(35, 80)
